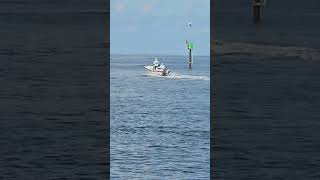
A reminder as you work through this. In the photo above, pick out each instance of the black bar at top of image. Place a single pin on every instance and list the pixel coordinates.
(54, 94)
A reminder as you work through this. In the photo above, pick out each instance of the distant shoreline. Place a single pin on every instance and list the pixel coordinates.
(156, 55)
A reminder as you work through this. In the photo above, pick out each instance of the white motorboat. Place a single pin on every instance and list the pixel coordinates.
(158, 68)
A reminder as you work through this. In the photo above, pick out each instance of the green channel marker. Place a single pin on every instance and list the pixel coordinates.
(190, 45)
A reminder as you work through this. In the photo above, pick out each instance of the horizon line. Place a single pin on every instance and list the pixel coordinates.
(153, 54)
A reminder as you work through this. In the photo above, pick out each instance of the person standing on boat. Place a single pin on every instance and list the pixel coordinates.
(155, 63)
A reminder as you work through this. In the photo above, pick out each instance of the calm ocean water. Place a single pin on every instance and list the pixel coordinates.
(266, 91)
(53, 90)
(159, 126)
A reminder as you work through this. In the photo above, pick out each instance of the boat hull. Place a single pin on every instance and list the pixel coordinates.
(160, 72)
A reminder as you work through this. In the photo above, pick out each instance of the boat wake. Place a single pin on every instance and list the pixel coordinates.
(181, 76)
(238, 48)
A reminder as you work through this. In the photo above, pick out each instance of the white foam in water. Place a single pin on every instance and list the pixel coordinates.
(181, 76)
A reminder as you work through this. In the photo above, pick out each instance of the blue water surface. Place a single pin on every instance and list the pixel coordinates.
(159, 126)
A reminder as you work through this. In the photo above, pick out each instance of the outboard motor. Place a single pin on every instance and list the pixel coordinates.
(165, 72)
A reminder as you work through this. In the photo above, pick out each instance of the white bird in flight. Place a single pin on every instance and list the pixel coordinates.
(189, 24)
